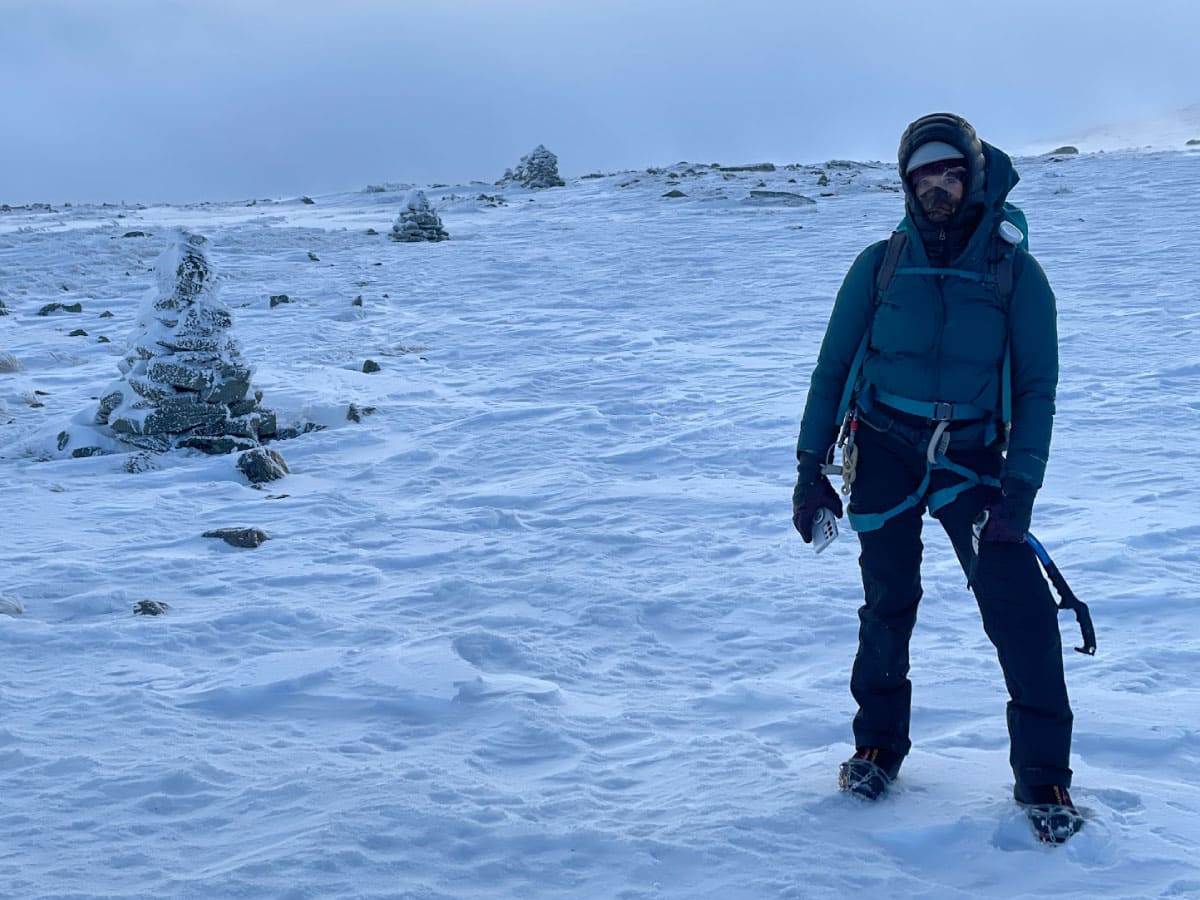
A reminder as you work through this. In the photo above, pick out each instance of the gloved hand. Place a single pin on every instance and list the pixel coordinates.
(1008, 518)
(812, 491)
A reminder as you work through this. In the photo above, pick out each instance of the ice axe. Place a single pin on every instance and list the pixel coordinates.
(1067, 598)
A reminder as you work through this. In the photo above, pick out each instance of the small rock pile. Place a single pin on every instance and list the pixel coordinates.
(418, 221)
(539, 169)
(185, 382)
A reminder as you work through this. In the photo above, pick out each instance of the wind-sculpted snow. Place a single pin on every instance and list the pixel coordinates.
(536, 624)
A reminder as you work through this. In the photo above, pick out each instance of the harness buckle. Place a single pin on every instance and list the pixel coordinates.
(942, 412)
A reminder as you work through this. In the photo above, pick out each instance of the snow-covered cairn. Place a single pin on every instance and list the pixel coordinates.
(539, 169)
(417, 220)
(185, 382)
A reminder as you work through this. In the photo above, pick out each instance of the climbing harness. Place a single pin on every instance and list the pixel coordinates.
(934, 451)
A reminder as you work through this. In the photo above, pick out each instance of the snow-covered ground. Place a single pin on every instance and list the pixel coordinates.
(538, 625)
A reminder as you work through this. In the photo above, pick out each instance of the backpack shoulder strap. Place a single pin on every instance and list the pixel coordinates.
(1008, 243)
(883, 277)
(891, 258)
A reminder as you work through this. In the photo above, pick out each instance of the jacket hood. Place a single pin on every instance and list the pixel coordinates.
(990, 171)
(980, 207)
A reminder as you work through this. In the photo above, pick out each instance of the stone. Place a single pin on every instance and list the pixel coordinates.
(239, 537)
(184, 374)
(216, 446)
(1194, 142)
(418, 221)
(782, 198)
(60, 307)
(171, 416)
(370, 366)
(262, 465)
(133, 234)
(675, 194)
(1067, 150)
(537, 170)
(756, 167)
(151, 608)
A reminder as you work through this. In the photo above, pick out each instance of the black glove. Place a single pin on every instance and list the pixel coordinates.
(1008, 518)
(812, 491)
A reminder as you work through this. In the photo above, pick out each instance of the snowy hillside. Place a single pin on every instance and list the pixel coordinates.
(1174, 130)
(532, 620)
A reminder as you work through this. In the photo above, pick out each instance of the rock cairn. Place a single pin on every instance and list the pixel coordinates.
(418, 221)
(185, 382)
(539, 169)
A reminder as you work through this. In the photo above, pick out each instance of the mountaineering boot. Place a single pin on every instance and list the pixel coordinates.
(868, 773)
(1052, 815)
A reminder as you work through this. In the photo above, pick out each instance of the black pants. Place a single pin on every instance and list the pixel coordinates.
(1019, 614)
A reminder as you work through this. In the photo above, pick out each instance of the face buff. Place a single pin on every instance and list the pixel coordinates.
(939, 188)
(938, 204)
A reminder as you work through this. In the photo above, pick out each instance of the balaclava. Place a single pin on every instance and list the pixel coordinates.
(930, 139)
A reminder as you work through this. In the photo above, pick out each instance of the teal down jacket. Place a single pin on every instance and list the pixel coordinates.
(942, 337)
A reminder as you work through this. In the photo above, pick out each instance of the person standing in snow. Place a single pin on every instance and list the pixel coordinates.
(946, 367)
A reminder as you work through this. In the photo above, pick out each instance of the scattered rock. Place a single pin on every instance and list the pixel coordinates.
(357, 301)
(538, 169)
(78, 332)
(782, 198)
(1194, 142)
(131, 234)
(277, 299)
(418, 221)
(286, 434)
(60, 307)
(372, 232)
(355, 413)
(106, 314)
(85, 452)
(261, 465)
(307, 201)
(823, 181)
(675, 193)
(756, 167)
(103, 340)
(151, 608)
(239, 537)
(1066, 150)
(140, 462)
(370, 366)
(313, 256)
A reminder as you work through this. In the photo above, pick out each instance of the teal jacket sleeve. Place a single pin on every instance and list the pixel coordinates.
(1034, 347)
(848, 323)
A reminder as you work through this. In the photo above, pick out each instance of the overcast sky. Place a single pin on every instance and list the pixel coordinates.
(160, 100)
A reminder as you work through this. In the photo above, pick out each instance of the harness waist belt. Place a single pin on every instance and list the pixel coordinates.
(934, 410)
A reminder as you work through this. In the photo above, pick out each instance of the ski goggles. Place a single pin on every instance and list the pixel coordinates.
(935, 172)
